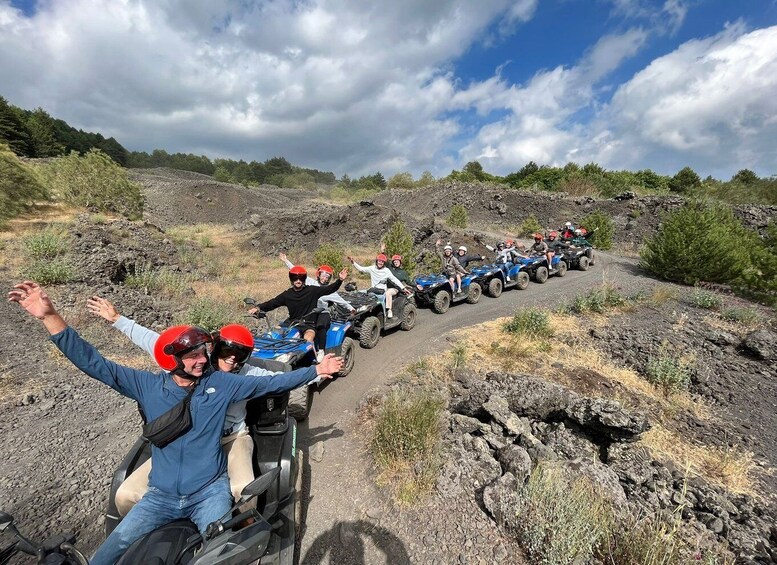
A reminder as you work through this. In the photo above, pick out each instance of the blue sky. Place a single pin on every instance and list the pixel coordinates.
(354, 87)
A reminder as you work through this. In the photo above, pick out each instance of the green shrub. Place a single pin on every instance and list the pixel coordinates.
(667, 372)
(46, 244)
(458, 216)
(529, 226)
(150, 279)
(209, 314)
(706, 299)
(332, 255)
(530, 322)
(598, 300)
(561, 520)
(19, 186)
(601, 228)
(459, 355)
(399, 241)
(759, 280)
(93, 181)
(47, 271)
(698, 243)
(745, 316)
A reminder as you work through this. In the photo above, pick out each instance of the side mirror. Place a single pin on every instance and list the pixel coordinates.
(260, 485)
(249, 302)
(6, 520)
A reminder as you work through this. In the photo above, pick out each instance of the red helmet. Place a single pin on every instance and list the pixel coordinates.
(237, 337)
(325, 269)
(297, 272)
(553, 234)
(175, 341)
(381, 257)
(509, 243)
(396, 257)
(537, 235)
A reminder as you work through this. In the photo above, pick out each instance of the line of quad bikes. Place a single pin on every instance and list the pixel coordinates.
(268, 531)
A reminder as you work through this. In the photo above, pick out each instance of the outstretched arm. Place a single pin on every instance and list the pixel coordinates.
(139, 335)
(285, 260)
(251, 387)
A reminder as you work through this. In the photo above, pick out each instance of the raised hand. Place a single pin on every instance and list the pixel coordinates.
(329, 366)
(350, 259)
(282, 256)
(343, 274)
(103, 308)
(438, 242)
(32, 298)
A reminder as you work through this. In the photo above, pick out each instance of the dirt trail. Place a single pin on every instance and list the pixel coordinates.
(341, 503)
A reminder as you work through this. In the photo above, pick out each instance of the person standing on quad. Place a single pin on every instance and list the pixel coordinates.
(302, 300)
(568, 231)
(541, 248)
(451, 267)
(464, 259)
(232, 346)
(189, 470)
(379, 275)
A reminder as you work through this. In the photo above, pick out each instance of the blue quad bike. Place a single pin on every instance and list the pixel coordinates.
(493, 278)
(370, 320)
(436, 291)
(284, 345)
(272, 537)
(537, 267)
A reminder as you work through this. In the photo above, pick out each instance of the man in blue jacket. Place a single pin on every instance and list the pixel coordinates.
(188, 477)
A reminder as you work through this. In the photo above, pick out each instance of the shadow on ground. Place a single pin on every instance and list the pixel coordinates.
(356, 543)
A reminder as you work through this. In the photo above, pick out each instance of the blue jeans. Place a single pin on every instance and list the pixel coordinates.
(157, 508)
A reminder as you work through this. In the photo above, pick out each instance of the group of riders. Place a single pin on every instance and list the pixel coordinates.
(197, 473)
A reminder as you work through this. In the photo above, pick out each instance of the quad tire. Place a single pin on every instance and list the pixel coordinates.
(369, 334)
(442, 301)
(298, 483)
(522, 280)
(409, 315)
(495, 287)
(473, 295)
(591, 257)
(562, 268)
(348, 353)
(582, 263)
(300, 402)
(541, 275)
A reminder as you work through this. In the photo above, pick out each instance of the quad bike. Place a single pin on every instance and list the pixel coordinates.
(537, 267)
(283, 345)
(271, 538)
(436, 291)
(581, 242)
(579, 257)
(370, 319)
(57, 550)
(496, 277)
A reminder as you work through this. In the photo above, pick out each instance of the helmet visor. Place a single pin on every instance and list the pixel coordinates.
(297, 277)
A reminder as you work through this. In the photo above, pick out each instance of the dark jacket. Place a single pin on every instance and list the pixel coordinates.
(401, 274)
(195, 459)
(465, 260)
(557, 245)
(300, 302)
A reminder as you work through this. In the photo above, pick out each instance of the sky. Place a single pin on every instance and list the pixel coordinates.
(355, 87)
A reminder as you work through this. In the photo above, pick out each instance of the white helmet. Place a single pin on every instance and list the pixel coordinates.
(447, 247)
(568, 224)
(462, 248)
(578, 232)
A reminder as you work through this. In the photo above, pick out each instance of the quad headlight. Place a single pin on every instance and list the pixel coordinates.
(285, 358)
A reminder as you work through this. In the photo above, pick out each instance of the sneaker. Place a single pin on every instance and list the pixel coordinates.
(320, 355)
(389, 314)
(509, 279)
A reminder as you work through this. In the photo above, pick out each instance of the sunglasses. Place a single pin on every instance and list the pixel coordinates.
(229, 351)
(293, 278)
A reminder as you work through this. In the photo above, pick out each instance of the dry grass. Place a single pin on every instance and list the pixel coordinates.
(730, 468)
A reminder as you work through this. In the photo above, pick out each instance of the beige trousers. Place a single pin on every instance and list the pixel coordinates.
(238, 448)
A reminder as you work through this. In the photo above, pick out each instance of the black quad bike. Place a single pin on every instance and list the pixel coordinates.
(57, 550)
(370, 319)
(271, 538)
(579, 257)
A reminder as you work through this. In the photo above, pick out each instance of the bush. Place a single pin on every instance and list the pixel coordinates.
(668, 373)
(529, 226)
(601, 228)
(561, 520)
(209, 314)
(597, 300)
(149, 279)
(531, 322)
(458, 216)
(745, 316)
(19, 187)
(330, 254)
(706, 299)
(47, 271)
(399, 241)
(698, 243)
(94, 181)
(759, 281)
(46, 245)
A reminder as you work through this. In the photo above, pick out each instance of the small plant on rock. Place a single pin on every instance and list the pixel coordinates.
(530, 322)
(745, 316)
(458, 216)
(529, 226)
(209, 314)
(330, 254)
(667, 372)
(706, 299)
(44, 272)
(598, 300)
(46, 244)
